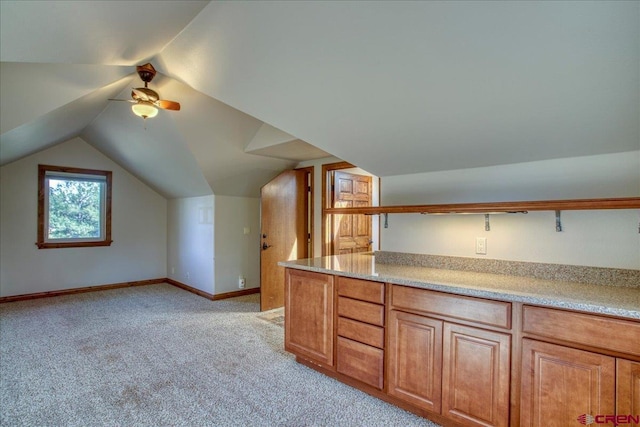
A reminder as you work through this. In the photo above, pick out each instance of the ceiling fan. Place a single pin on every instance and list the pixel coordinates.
(147, 101)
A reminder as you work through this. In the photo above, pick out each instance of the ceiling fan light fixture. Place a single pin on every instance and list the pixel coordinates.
(144, 110)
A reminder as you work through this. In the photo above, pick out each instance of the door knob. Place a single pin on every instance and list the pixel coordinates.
(265, 246)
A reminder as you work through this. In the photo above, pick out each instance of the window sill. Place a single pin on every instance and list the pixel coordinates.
(49, 245)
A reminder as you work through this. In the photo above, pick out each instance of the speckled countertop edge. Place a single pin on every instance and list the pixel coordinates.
(619, 301)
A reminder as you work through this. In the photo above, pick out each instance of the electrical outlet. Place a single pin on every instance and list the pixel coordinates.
(241, 282)
(187, 274)
(481, 245)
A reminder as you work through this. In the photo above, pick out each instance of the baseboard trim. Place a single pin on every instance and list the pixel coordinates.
(191, 289)
(234, 294)
(85, 289)
(209, 296)
(97, 288)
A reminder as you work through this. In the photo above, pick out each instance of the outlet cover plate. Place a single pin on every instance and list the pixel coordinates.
(481, 245)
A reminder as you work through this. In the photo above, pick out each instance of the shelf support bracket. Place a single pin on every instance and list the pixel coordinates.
(487, 224)
(386, 218)
(558, 222)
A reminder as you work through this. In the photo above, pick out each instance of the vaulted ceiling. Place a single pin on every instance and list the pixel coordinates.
(393, 87)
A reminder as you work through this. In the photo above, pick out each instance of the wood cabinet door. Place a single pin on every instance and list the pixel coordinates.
(414, 372)
(308, 317)
(475, 376)
(627, 387)
(560, 384)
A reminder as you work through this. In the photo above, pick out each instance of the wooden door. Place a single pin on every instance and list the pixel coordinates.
(560, 384)
(351, 233)
(283, 218)
(415, 359)
(308, 315)
(627, 387)
(475, 376)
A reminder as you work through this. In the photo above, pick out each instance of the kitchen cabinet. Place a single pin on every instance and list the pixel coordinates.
(309, 316)
(465, 360)
(475, 376)
(360, 361)
(459, 371)
(560, 383)
(415, 359)
(360, 330)
(584, 373)
(627, 387)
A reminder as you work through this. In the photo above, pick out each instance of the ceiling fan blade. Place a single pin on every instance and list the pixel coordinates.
(139, 95)
(125, 100)
(168, 105)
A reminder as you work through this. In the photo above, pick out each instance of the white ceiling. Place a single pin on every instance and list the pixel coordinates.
(393, 87)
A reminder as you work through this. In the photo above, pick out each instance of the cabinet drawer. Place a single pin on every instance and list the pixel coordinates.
(363, 332)
(601, 332)
(494, 313)
(360, 310)
(364, 290)
(360, 361)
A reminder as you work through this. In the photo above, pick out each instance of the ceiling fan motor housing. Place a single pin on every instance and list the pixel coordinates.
(146, 72)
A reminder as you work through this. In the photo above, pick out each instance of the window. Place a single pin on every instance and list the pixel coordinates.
(74, 207)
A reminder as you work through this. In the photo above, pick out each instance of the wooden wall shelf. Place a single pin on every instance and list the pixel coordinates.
(495, 207)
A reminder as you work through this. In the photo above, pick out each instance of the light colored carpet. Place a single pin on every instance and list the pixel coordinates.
(160, 356)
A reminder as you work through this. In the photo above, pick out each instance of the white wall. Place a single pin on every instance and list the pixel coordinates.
(190, 234)
(595, 238)
(207, 245)
(236, 253)
(139, 223)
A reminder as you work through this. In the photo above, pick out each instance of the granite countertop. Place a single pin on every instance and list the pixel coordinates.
(622, 301)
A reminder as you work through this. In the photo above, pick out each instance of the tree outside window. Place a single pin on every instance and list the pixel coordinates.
(74, 207)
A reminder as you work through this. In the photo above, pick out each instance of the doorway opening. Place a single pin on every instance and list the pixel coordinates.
(345, 185)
